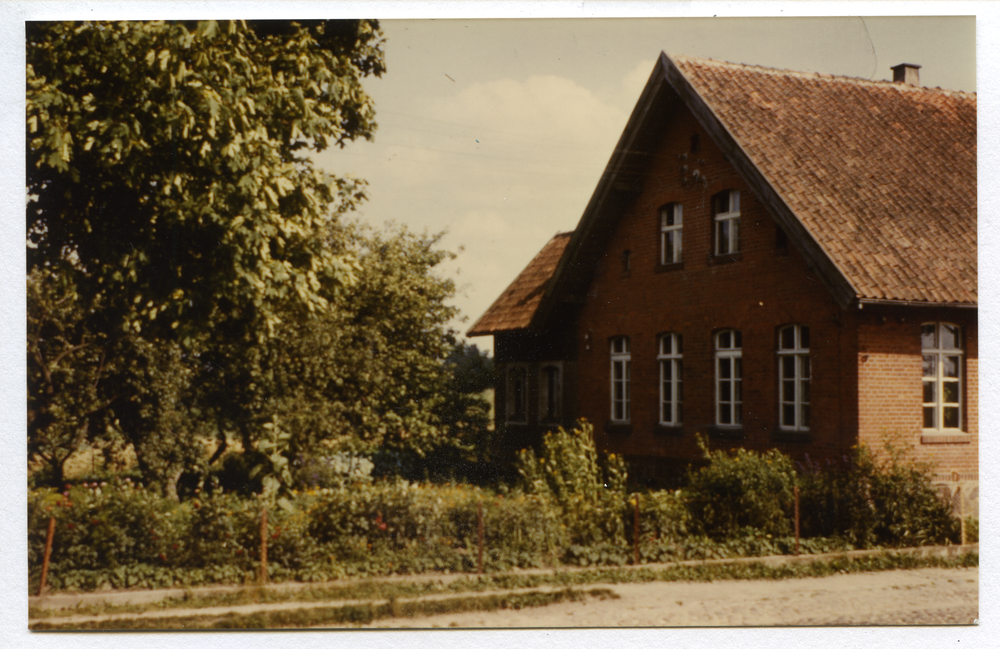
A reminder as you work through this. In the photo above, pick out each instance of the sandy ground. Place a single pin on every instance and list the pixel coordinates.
(925, 596)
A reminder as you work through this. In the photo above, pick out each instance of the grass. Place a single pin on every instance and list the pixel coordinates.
(338, 615)
(392, 591)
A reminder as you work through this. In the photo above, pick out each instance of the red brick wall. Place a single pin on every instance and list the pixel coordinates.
(889, 375)
(759, 292)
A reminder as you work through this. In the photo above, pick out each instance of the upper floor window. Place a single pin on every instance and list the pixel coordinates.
(729, 378)
(671, 376)
(550, 392)
(671, 222)
(942, 369)
(621, 376)
(517, 394)
(794, 374)
(726, 210)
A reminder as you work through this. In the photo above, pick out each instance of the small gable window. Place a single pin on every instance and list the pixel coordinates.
(621, 377)
(726, 211)
(942, 380)
(671, 222)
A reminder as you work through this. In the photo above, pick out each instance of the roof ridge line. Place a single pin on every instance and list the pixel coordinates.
(823, 76)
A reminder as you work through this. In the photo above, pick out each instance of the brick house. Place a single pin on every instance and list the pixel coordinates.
(772, 259)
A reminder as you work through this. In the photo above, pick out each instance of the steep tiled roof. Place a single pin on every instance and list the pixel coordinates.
(517, 305)
(882, 175)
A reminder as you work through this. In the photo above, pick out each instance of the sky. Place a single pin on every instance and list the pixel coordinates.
(497, 131)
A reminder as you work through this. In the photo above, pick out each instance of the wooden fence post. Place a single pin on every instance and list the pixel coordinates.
(48, 553)
(263, 546)
(796, 520)
(635, 534)
(479, 517)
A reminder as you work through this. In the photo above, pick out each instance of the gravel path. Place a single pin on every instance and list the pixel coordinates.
(924, 596)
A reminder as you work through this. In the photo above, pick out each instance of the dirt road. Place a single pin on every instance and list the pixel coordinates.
(925, 596)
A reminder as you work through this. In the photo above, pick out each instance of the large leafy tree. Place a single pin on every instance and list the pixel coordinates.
(172, 201)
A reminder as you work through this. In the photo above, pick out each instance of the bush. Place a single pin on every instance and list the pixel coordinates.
(742, 489)
(875, 501)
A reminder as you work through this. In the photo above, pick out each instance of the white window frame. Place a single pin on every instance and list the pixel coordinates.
(794, 379)
(671, 234)
(511, 405)
(936, 378)
(729, 354)
(621, 377)
(728, 220)
(545, 391)
(671, 360)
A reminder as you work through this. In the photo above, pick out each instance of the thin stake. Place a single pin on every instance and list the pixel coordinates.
(796, 519)
(263, 546)
(48, 553)
(479, 517)
(635, 534)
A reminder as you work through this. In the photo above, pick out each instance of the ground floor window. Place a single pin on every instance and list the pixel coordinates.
(621, 377)
(729, 378)
(517, 394)
(671, 377)
(794, 377)
(941, 344)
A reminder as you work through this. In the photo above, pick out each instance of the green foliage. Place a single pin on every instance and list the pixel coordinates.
(875, 500)
(740, 489)
(590, 495)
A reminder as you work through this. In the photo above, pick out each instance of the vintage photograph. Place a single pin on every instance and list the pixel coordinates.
(524, 323)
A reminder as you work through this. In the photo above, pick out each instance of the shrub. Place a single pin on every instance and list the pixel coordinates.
(875, 500)
(589, 494)
(740, 489)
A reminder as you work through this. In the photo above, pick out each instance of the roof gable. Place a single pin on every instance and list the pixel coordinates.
(875, 182)
(881, 176)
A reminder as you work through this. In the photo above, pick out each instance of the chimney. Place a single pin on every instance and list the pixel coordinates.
(907, 73)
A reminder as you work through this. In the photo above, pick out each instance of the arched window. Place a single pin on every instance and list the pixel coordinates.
(942, 369)
(621, 377)
(517, 394)
(550, 392)
(726, 212)
(729, 378)
(794, 376)
(671, 377)
(671, 231)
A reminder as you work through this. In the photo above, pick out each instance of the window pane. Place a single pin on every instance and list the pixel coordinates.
(667, 371)
(738, 413)
(738, 342)
(619, 390)
(677, 247)
(806, 397)
(617, 370)
(725, 340)
(788, 415)
(805, 366)
(734, 235)
(724, 368)
(929, 392)
(949, 336)
(680, 391)
(950, 366)
(678, 214)
(679, 367)
(668, 249)
(738, 367)
(928, 336)
(680, 345)
(930, 366)
(929, 416)
(725, 414)
(720, 204)
(734, 201)
(723, 236)
(804, 337)
(788, 338)
(805, 416)
(787, 367)
(680, 414)
(725, 391)
(950, 390)
(788, 390)
(738, 390)
(619, 412)
(951, 417)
